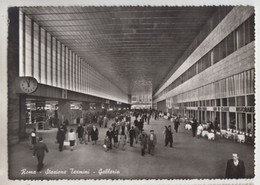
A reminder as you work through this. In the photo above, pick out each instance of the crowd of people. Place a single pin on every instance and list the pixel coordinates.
(121, 131)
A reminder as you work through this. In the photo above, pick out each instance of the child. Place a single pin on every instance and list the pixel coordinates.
(71, 138)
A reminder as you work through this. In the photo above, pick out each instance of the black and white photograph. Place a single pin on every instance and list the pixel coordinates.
(130, 92)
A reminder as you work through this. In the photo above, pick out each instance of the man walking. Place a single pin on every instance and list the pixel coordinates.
(148, 118)
(169, 137)
(60, 137)
(132, 136)
(143, 142)
(152, 140)
(110, 135)
(89, 129)
(39, 152)
(105, 121)
(176, 124)
(194, 127)
(80, 131)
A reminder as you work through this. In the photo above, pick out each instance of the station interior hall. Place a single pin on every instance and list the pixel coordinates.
(81, 65)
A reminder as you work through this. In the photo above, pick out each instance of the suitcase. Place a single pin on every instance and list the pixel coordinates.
(66, 143)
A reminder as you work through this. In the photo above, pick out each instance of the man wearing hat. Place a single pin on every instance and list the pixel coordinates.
(235, 168)
(152, 140)
(39, 151)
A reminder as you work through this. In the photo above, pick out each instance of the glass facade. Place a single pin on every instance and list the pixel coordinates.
(52, 63)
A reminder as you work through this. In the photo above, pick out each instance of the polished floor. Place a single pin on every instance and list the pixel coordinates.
(189, 158)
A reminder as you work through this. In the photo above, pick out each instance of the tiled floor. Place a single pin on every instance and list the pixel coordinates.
(189, 158)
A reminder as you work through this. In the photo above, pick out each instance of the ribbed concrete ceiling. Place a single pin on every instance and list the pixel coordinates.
(135, 47)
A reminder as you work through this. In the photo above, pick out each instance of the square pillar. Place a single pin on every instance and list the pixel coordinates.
(64, 111)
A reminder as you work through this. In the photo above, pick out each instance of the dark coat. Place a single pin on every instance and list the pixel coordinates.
(141, 125)
(39, 149)
(115, 135)
(94, 135)
(176, 124)
(60, 137)
(143, 140)
(80, 131)
(135, 122)
(233, 171)
(110, 134)
(132, 133)
(169, 135)
(194, 125)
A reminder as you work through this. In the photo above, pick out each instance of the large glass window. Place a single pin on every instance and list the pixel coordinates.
(252, 28)
(231, 43)
(222, 49)
(63, 67)
(230, 86)
(28, 47)
(208, 103)
(58, 65)
(43, 60)
(218, 102)
(224, 120)
(249, 81)
(231, 101)
(216, 56)
(54, 61)
(250, 123)
(36, 51)
(241, 122)
(241, 101)
(67, 68)
(250, 100)
(224, 102)
(232, 120)
(212, 103)
(240, 36)
(49, 61)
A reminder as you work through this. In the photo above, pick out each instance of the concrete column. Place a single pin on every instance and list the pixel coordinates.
(14, 111)
(63, 111)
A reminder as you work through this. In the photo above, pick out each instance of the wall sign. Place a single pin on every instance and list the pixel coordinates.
(245, 109)
(202, 108)
(222, 109)
(64, 94)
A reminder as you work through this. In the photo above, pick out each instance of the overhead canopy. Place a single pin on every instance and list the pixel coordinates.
(134, 47)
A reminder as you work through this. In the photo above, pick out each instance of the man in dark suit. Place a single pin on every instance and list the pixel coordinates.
(235, 168)
(132, 135)
(39, 151)
(194, 127)
(60, 137)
